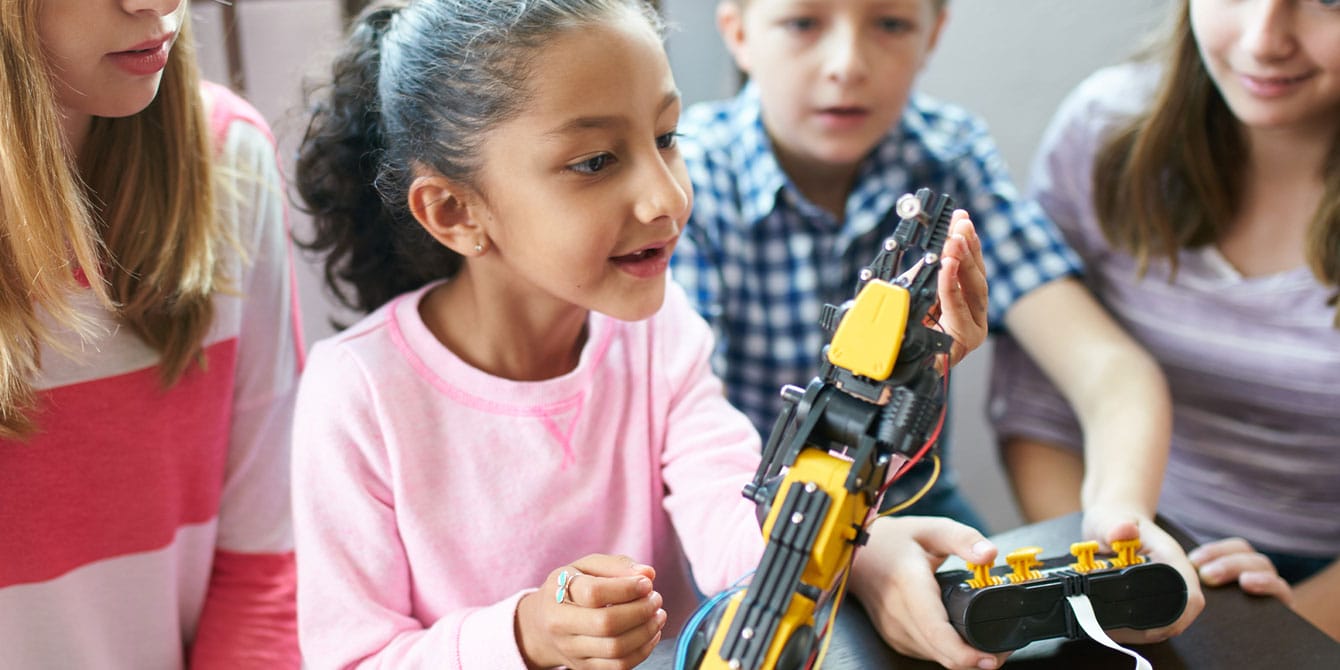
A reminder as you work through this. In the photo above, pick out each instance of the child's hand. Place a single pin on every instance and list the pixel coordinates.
(894, 576)
(962, 287)
(1110, 525)
(1234, 560)
(609, 616)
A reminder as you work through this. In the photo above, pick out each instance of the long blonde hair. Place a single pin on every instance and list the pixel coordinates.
(136, 216)
(1171, 178)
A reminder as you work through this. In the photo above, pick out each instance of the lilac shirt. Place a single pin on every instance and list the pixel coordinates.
(430, 496)
(1253, 363)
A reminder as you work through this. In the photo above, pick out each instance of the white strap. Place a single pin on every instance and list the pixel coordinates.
(1083, 610)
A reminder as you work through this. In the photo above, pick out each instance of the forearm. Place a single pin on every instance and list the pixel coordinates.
(1116, 390)
(1315, 598)
(1046, 479)
(249, 618)
(1127, 431)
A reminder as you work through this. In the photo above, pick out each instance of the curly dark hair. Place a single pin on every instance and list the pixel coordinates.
(418, 84)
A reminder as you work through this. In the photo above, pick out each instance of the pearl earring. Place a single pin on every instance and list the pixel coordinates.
(479, 247)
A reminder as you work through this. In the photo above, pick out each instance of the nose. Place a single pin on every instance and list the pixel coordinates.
(843, 59)
(159, 7)
(1268, 30)
(664, 192)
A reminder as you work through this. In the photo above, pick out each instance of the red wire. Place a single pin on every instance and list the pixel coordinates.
(930, 441)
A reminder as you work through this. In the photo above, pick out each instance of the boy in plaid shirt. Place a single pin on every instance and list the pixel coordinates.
(795, 181)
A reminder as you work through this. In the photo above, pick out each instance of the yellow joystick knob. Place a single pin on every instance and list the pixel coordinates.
(1022, 561)
(982, 576)
(1126, 553)
(1083, 553)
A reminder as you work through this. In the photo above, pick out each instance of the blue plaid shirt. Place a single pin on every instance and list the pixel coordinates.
(758, 260)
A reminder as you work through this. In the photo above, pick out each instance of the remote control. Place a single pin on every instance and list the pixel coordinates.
(1006, 607)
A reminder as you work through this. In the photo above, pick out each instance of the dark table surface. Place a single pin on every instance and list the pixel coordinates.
(1234, 631)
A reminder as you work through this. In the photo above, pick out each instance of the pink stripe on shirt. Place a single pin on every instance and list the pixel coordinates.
(115, 483)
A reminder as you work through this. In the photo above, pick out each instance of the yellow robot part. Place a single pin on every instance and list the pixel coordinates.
(835, 541)
(828, 557)
(870, 334)
(799, 614)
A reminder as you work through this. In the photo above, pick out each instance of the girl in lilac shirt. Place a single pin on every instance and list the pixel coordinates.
(1203, 193)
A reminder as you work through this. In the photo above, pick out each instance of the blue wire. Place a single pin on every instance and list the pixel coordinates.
(682, 644)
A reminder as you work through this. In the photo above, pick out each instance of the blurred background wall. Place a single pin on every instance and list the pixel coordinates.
(1010, 61)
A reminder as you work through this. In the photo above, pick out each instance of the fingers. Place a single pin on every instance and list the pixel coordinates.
(937, 640)
(1116, 525)
(613, 565)
(618, 636)
(963, 287)
(930, 632)
(1218, 549)
(941, 537)
(1224, 561)
(600, 612)
(1267, 583)
(1235, 560)
(1108, 526)
(900, 592)
(972, 275)
(586, 590)
(604, 579)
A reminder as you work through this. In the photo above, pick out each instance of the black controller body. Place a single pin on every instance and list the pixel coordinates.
(1008, 616)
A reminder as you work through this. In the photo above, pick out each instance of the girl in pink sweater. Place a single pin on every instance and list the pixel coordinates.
(499, 185)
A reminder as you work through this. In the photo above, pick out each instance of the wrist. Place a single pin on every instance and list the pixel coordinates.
(1111, 498)
(871, 561)
(530, 640)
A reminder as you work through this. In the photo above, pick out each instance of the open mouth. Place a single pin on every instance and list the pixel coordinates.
(636, 256)
(645, 263)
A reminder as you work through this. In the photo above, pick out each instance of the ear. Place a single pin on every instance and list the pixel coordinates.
(730, 23)
(941, 18)
(449, 213)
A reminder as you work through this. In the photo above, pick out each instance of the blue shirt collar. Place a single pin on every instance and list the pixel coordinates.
(754, 162)
(886, 172)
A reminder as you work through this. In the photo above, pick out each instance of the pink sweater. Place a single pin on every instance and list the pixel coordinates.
(430, 496)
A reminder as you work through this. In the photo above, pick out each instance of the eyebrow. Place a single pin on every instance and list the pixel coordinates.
(600, 122)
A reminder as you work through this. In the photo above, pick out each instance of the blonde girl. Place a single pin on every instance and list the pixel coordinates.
(148, 350)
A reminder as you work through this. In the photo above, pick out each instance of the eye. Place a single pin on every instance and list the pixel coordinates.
(895, 25)
(800, 24)
(667, 141)
(593, 164)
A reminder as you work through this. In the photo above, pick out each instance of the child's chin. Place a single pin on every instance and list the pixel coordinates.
(641, 309)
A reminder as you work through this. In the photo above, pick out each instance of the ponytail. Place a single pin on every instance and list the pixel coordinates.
(372, 243)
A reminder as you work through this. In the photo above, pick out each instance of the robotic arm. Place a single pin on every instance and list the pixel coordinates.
(875, 405)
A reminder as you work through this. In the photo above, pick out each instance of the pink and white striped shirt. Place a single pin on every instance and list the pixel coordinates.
(145, 527)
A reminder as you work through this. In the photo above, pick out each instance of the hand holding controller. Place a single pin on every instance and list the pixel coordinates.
(1004, 608)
